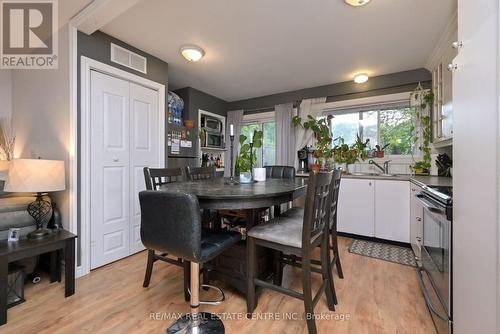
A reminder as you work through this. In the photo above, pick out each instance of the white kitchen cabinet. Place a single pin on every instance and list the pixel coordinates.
(416, 221)
(392, 210)
(356, 207)
(442, 87)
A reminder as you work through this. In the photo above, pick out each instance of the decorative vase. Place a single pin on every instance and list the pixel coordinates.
(246, 177)
(259, 174)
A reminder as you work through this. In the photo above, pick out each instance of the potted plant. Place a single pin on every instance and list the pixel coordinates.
(344, 154)
(247, 157)
(422, 101)
(323, 136)
(380, 151)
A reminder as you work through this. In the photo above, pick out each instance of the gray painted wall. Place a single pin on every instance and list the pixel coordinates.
(380, 85)
(98, 46)
(195, 99)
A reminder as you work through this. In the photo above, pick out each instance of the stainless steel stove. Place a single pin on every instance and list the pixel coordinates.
(436, 266)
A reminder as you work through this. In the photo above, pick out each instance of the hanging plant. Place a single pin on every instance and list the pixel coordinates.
(322, 134)
(421, 100)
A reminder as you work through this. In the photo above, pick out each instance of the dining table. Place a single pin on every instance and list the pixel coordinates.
(221, 194)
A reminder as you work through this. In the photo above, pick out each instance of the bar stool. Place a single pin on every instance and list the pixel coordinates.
(171, 223)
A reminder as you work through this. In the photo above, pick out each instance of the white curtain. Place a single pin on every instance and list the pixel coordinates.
(304, 137)
(236, 118)
(285, 135)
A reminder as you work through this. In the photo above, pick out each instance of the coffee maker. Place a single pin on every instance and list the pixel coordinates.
(306, 159)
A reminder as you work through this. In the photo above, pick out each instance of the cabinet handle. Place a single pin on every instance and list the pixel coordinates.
(452, 67)
(457, 45)
(419, 219)
(115, 159)
(369, 183)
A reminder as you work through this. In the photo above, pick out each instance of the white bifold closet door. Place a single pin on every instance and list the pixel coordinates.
(124, 139)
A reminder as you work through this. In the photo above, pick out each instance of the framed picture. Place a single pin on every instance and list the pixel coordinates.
(14, 234)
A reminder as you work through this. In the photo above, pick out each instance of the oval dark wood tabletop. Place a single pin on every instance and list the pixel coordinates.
(216, 194)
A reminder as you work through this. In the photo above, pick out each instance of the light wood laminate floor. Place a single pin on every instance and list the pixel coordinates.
(374, 297)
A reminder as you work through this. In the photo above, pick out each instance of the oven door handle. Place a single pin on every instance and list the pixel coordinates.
(426, 294)
(429, 205)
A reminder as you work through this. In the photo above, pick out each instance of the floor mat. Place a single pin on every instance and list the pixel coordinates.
(384, 252)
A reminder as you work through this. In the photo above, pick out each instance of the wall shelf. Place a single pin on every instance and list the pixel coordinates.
(213, 149)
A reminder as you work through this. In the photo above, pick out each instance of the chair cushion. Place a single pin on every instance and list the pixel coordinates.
(285, 229)
(215, 242)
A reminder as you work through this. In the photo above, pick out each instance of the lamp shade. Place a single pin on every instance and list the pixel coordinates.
(35, 175)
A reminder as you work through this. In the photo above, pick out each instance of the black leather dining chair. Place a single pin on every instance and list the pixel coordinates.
(280, 172)
(292, 233)
(171, 223)
(154, 178)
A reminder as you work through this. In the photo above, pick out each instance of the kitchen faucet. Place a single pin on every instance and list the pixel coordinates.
(384, 169)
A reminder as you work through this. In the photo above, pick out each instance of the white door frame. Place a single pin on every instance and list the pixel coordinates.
(87, 65)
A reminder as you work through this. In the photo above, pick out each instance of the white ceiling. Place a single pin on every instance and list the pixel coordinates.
(262, 47)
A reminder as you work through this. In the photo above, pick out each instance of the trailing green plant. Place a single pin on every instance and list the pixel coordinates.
(422, 101)
(343, 153)
(243, 163)
(322, 134)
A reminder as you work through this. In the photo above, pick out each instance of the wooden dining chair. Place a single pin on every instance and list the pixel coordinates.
(291, 233)
(157, 177)
(279, 172)
(200, 173)
(294, 260)
(154, 179)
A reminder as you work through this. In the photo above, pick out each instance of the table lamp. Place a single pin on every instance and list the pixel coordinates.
(40, 177)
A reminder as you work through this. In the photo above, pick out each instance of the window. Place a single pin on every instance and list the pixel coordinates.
(383, 125)
(264, 122)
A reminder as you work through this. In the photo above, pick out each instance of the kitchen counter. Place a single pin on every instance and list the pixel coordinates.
(436, 181)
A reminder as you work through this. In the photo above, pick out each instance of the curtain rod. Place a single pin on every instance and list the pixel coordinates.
(297, 102)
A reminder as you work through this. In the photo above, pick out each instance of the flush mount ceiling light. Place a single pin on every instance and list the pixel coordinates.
(360, 78)
(356, 3)
(192, 53)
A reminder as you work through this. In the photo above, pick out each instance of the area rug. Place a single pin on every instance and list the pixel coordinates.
(384, 252)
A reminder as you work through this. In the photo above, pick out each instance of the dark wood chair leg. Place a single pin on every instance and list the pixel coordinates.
(187, 280)
(149, 268)
(326, 272)
(335, 248)
(251, 258)
(307, 294)
(278, 268)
